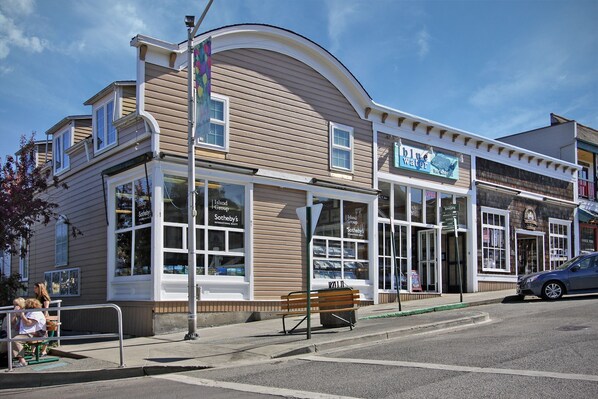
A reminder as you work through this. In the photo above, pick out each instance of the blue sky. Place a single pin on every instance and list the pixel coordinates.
(488, 67)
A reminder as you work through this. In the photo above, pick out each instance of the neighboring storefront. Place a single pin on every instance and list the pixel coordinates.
(525, 219)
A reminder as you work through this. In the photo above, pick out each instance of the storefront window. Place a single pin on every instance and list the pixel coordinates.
(386, 268)
(588, 239)
(400, 202)
(133, 216)
(384, 200)
(462, 216)
(431, 205)
(559, 242)
(495, 238)
(416, 205)
(340, 246)
(220, 243)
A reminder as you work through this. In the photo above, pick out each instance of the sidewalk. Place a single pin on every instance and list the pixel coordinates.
(248, 342)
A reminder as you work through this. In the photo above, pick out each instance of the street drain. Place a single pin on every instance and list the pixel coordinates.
(572, 328)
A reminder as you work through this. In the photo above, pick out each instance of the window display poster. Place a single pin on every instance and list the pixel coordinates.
(426, 161)
(355, 220)
(225, 206)
(415, 282)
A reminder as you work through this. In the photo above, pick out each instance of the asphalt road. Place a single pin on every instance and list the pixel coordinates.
(530, 349)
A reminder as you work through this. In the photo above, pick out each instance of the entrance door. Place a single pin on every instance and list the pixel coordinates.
(427, 260)
(530, 253)
(450, 266)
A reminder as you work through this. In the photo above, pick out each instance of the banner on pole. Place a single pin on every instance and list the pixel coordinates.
(202, 72)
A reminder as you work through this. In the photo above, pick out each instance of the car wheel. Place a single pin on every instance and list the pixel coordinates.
(552, 290)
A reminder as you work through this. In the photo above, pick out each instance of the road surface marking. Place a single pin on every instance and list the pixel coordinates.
(464, 369)
(265, 390)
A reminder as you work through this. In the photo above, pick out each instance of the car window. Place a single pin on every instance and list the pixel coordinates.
(587, 263)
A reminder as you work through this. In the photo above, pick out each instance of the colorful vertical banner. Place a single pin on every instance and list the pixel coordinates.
(202, 65)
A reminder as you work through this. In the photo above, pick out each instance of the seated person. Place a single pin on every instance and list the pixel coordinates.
(18, 303)
(32, 323)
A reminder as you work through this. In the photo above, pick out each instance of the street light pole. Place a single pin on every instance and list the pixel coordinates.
(191, 211)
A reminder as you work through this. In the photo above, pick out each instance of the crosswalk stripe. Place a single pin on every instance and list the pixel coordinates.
(273, 391)
(464, 369)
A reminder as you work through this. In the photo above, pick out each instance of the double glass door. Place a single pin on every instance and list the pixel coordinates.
(427, 272)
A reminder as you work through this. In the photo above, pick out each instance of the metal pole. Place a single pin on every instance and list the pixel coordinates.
(191, 212)
(394, 263)
(308, 268)
(458, 260)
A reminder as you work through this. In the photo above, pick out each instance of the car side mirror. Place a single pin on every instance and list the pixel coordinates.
(575, 268)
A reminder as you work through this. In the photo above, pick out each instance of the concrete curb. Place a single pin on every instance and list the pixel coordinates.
(482, 317)
(35, 380)
(419, 311)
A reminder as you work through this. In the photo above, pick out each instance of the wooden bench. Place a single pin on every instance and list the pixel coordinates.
(332, 301)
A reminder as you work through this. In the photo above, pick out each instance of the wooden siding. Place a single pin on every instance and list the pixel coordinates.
(129, 100)
(386, 163)
(485, 286)
(82, 130)
(522, 179)
(278, 244)
(83, 204)
(279, 112)
(388, 297)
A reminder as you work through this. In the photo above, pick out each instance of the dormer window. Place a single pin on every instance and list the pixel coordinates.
(62, 142)
(104, 132)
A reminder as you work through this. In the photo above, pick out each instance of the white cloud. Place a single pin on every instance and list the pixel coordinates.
(12, 34)
(339, 19)
(17, 7)
(423, 43)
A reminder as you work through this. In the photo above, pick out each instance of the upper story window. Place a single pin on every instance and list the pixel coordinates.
(5, 259)
(218, 136)
(104, 132)
(341, 147)
(61, 242)
(495, 240)
(62, 142)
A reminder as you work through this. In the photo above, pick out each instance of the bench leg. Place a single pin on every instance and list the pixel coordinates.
(350, 323)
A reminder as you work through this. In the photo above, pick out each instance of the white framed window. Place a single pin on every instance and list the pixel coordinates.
(61, 143)
(217, 138)
(65, 282)
(560, 241)
(340, 245)
(220, 227)
(61, 241)
(133, 227)
(341, 147)
(495, 240)
(104, 132)
(5, 259)
(24, 262)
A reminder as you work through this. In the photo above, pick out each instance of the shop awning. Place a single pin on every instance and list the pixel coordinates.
(586, 216)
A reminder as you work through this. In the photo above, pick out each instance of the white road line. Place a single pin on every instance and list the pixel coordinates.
(286, 393)
(464, 369)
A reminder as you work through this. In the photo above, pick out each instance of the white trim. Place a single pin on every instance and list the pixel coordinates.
(102, 104)
(70, 130)
(422, 183)
(226, 123)
(332, 146)
(537, 234)
(507, 238)
(497, 278)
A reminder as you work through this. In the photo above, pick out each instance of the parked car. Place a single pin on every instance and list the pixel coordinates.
(576, 276)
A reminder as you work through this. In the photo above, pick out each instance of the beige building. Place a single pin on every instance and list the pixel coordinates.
(290, 126)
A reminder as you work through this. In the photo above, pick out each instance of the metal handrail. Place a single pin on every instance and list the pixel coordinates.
(9, 340)
(57, 302)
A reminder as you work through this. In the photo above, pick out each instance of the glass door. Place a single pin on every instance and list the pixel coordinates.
(426, 268)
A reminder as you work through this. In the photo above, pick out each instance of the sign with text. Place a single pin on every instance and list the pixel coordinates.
(425, 161)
